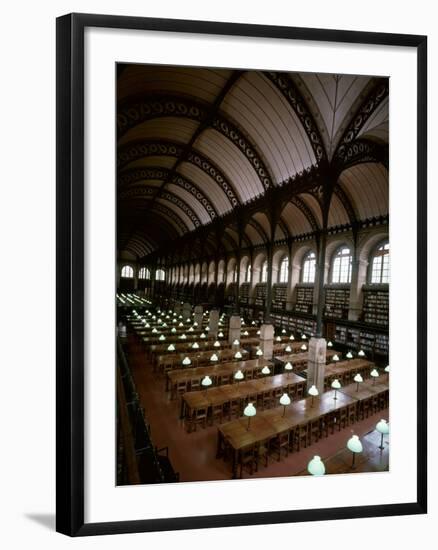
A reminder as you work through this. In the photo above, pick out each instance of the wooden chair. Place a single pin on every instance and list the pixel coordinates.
(301, 436)
(261, 453)
(247, 458)
(233, 408)
(199, 417)
(265, 400)
(314, 431)
(195, 384)
(351, 413)
(181, 387)
(217, 413)
(327, 424)
(280, 443)
(341, 418)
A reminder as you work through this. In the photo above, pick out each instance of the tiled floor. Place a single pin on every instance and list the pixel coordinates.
(194, 455)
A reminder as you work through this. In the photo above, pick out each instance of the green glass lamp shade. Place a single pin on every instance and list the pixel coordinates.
(336, 385)
(313, 391)
(382, 427)
(249, 410)
(354, 444)
(239, 375)
(316, 466)
(285, 399)
(206, 381)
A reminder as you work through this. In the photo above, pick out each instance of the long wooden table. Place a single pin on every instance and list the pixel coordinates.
(345, 371)
(168, 362)
(248, 391)
(267, 425)
(220, 374)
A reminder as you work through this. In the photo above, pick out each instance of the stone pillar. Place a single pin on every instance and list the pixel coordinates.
(198, 315)
(234, 328)
(316, 363)
(267, 340)
(213, 323)
(186, 310)
(358, 279)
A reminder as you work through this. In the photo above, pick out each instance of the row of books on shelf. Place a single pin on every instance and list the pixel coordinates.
(356, 338)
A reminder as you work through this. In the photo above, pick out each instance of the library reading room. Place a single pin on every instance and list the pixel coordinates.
(252, 274)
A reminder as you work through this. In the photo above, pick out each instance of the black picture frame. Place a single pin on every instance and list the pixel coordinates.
(70, 273)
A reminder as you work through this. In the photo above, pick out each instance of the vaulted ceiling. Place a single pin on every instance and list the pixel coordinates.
(196, 144)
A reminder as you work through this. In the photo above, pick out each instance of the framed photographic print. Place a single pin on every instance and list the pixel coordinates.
(241, 274)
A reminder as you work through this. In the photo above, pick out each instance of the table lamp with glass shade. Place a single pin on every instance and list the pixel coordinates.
(358, 379)
(195, 324)
(180, 324)
(313, 392)
(288, 367)
(292, 337)
(303, 337)
(259, 352)
(253, 323)
(239, 376)
(349, 355)
(147, 325)
(249, 411)
(195, 345)
(183, 337)
(173, 330)
(316, 466)
(217, 344)
(236, 342)
(335, 358)
(374, 374)
(285, 400)
(186, 361)
(238, 355)
(258, 333)
(336, 385)
(170, 347)
(387, 372)
(214, 358)
(191, 329)
(162, 338)
(206, 382)
(278, 339)
(383, 428)
(221, 334)
(154, 318)
(361, 353)
(154, 331)
(329, 344)
(188, 320)
(164, 325)
(303, 347)
(202, 335)
(355, 446)
(266, 371)
(288, 349)
(174, 321)
(207, 328)
(283, 331)
(246, 333)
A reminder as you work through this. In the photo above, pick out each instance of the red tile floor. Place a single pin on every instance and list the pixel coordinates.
(194, 455)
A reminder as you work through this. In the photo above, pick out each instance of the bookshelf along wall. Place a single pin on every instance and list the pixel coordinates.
(359, 338)
(261, 293)
(304, 301)
(279, 295)
(337, 302)
(244, 293)
(376, 306)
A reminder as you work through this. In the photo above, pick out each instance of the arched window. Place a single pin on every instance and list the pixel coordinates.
(248, 274)
(341, 267)
(309, 267)
(127, 272)
(284, 270)
(144, 273)
(234, 279)
(160, 275)
(380, 265)
(264, 272)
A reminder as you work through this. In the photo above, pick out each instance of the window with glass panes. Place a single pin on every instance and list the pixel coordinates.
(160, 275)
(284, 271)
(380, 265)
(144, 273)
(341, 269)
(264, 273)
(127, 272)
(309, 267)
(248, 274)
